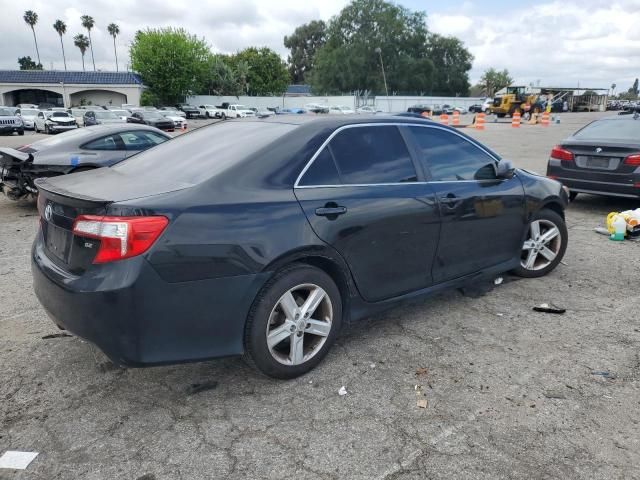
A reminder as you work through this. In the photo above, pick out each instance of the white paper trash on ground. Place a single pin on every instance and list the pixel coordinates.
(17, 460)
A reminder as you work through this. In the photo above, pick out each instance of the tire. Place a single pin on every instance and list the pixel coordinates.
(534, 262)
(295, 283)
(35, 128)
(224, 116)
(572, 195)
(501, 115)
(207, 115)
(46, 130)
(20, 132)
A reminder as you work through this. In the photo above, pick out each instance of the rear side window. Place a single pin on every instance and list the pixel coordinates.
(372, 155)
(141, 140)
(450, 157)
(111, 142)
(322, 171)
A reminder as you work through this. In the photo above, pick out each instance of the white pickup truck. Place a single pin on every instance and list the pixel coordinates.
(235, 111)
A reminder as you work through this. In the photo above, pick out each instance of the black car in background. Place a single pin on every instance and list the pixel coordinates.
(211, 245)
(153, 119)
(602, 158)
(189, 110)
(419, 109)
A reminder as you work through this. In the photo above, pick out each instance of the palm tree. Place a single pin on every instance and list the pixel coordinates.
(31, 18)
(88, 23)
(82, 42)
(61, 28)
(114, 31)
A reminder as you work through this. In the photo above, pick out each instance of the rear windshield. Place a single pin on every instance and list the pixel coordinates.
(628, 129)
(203, 153)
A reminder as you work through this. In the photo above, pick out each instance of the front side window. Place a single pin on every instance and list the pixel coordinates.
(372, 155)
(450, 157)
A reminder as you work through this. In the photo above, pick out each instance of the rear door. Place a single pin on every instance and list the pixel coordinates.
(362, 195)
(103, 151)
(483, 217)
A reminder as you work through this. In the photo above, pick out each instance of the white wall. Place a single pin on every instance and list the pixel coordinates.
(387, 104)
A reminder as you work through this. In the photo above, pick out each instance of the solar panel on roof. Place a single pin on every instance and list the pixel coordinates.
(53, 76)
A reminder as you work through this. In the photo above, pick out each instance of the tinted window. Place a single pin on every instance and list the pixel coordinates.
(204, 152)
(450, 157)
(322, 171)
(369, 155)
(110, 142)
(615, 129)
(141, 140)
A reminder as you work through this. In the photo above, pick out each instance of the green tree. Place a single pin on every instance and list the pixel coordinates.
(61, 28)
(88, 23)
(82, 42)
(303, 44)
(114, 31)
(27, 64)
(264, 74)
(224, 78)
(31, 18)
(493, 80)
(452, 63)
(172, 62)
(348, 60)
(634, 89)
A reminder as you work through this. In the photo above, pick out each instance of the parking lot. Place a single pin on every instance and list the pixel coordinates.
(511, 393)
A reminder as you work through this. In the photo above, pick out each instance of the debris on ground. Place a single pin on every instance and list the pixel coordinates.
(56, 335)
(554, 394)
(343, 391)
(604, 374)
(201, 387)
(549, 308)
(421, 401)
(422, 371)
(16, 460)
(498, 281)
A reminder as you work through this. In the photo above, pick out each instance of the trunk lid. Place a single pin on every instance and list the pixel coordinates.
(605, 156)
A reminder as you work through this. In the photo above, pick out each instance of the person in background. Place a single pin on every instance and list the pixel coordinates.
(565, 106)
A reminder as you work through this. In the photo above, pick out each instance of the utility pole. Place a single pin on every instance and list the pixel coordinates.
(384, 77)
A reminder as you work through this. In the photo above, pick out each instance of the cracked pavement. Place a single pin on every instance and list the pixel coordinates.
(511, 393)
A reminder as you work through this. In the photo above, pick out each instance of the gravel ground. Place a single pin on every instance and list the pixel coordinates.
(510, 393)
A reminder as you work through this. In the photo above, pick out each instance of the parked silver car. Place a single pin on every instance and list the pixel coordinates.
(70, 152)
(10, 122)
(54, 121)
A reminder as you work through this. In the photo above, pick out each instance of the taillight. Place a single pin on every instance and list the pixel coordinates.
(560, 153)
(120, 237)
(633, 160)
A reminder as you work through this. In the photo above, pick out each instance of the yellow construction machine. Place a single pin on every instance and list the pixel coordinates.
(515, 99)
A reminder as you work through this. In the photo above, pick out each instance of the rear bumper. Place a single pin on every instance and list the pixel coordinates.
(137, 319)
(596, 182)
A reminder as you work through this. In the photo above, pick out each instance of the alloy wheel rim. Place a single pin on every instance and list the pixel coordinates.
(299, 324)
(542, 245)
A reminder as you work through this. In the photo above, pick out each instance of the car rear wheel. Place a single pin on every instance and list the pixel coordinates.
(293, 322)
(572, 195)
(544, 246)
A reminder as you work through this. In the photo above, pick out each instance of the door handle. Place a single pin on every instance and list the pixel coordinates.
(450, 200)
(331, 211)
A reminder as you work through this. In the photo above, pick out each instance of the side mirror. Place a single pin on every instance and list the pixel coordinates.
(504, 169)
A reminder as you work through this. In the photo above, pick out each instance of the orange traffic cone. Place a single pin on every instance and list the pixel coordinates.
(456, 118)
(515, 120)
(444, 119)
(545, 119)
(479, 123)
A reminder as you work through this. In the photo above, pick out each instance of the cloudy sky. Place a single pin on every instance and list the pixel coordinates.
(559, 43)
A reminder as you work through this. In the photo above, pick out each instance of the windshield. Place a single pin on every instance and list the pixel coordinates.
(627, 129)
(153, 116)
(121, 113)
(104, 115)
(211, 150)
(242, 107)
(60, 114)
(5, 112)
(29, 112)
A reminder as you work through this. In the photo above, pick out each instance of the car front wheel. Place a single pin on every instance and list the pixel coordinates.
(544, 246)
(293, 322)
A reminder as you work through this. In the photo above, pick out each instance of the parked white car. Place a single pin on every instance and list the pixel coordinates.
(487, 104)
(209, 111)
(54, 121)
(340, 110)
(178, 121)
(28, 117)
(368, 109)
(123, 113)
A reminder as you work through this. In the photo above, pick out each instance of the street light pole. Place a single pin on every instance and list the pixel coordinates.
(384, 77)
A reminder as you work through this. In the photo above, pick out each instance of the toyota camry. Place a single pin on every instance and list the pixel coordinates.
(262, 237)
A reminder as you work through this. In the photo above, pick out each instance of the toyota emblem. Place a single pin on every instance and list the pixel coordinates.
(598, 150)
(48, 212)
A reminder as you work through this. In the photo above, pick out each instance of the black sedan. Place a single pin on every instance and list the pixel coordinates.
(152, 118)
(189, 110)
(212, 245)
(602, 158)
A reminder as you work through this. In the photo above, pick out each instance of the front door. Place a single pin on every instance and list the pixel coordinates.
(362, 195)
(483, 217)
